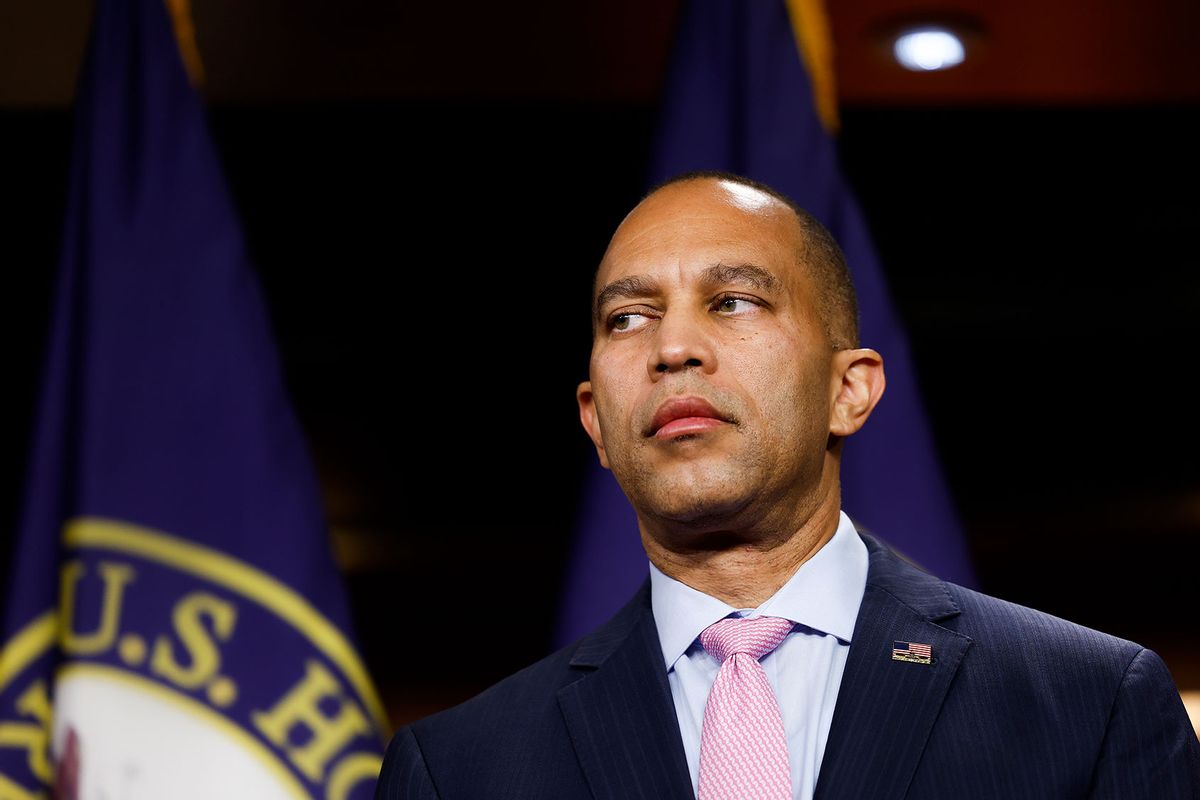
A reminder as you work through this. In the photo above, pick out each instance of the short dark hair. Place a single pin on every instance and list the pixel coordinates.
(837, 301)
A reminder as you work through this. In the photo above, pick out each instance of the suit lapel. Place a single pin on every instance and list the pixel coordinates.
(886, 708)
(620, 714)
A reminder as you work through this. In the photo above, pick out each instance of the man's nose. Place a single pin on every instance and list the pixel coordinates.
(682, 341)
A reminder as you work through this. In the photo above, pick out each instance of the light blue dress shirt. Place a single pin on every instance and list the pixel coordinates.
(822, 598)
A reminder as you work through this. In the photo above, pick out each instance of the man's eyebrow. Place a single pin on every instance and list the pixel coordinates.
(629, 287)
(747, 274)
(634, 286)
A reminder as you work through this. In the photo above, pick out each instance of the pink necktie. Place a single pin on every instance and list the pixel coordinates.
(743, 749)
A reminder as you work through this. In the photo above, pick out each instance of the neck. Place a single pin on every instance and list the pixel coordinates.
(743, 568)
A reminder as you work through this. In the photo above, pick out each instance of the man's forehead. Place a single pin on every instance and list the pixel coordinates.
(698, 223)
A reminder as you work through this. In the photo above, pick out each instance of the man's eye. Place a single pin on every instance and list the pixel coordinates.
(628, 322)
(733, 305)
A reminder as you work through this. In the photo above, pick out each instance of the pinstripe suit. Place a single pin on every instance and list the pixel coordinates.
(1016, 704)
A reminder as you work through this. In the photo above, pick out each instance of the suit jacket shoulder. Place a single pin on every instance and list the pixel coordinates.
(1110, 705)
(1013, 702)
(592, 720)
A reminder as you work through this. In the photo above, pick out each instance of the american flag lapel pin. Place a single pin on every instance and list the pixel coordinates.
(912, 652)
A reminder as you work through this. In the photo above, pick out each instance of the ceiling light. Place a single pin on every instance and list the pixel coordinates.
(928, 48)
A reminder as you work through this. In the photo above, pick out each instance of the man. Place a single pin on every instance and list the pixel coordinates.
(775, 651)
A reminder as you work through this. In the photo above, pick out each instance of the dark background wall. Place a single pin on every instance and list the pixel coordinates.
(427, 244)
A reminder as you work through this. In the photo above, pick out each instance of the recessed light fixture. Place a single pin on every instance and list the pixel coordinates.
(928, 48)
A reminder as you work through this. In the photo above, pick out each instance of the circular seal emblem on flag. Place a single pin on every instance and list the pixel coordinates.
(173, 670)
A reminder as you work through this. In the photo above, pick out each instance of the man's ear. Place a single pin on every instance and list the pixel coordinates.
(858, 384)
(591, 424)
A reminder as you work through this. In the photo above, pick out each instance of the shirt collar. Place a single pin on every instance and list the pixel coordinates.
(824, 594)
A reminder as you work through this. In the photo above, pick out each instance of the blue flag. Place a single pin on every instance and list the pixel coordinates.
(175, 625)
(740, 98)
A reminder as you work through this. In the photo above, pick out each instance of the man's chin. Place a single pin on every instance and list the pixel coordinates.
(699, 511)
(703, 492)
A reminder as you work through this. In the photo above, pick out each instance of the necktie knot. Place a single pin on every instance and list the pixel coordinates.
(743, 745)
(753, 636)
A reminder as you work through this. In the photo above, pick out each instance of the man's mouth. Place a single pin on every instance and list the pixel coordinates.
(681, 416)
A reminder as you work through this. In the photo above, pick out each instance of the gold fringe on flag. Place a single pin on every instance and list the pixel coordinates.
(810, 25)
(185, 38)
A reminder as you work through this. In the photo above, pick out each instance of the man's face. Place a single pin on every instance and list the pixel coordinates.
(712, 377)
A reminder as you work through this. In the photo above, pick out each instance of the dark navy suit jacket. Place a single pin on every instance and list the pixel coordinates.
(1016, 704)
